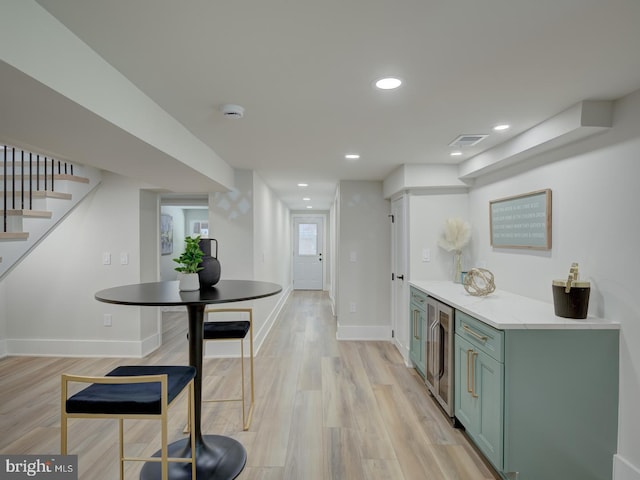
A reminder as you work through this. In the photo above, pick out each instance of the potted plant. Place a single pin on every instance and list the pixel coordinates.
(188, 264)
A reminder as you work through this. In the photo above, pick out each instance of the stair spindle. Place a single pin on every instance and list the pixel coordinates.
(4, 181)
(22, 179)
(30, 181)
(13, 178)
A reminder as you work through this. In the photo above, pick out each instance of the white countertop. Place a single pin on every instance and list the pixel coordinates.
(505, 310)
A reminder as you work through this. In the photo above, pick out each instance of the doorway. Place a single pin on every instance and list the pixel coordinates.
(308, 248)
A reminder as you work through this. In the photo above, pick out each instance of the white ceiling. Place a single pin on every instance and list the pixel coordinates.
(304, 70)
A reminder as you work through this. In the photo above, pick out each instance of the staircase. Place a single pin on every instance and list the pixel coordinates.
(36, 193)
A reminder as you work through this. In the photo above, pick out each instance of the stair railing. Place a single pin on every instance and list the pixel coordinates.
(46, 178)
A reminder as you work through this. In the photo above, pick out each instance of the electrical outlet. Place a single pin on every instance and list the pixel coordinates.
(352, 307)
(107, 320)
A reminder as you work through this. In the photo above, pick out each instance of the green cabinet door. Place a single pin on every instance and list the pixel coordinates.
(488, 383)
(466, 409)
(479, 398)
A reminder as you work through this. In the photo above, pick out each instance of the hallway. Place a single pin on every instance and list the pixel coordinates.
(324, 409)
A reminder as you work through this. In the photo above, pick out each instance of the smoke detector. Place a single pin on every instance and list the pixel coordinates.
(232, 111)
(468, 140)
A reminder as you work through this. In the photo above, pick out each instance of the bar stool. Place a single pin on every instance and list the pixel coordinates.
(131, 392)
(234, 330)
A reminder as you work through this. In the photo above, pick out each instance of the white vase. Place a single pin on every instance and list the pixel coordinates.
(188, 282)
(457, 267)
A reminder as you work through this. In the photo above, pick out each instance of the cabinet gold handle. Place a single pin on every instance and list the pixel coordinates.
(473, 378)
(469, 390)
(482, 338)
(415, 325)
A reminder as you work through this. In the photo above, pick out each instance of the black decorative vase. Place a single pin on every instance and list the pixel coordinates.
(210, 273)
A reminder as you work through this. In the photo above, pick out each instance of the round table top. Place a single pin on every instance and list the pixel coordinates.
(167, 293)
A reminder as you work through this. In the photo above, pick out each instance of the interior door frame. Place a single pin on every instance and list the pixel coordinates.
(400, 266)
(325, 245)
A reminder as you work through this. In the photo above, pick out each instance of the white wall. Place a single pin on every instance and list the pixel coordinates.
(49, 296)
(3, 320)
(231, 216)
(595, 222)
(333, 246)
(427, 216)
(149, 264)
(252, 227)
(364, 265)
(272, 234)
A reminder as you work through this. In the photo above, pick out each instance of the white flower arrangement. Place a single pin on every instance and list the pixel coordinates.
(457, 234)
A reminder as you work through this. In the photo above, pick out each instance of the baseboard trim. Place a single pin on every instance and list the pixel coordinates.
(263, 333)
(3, 349)
(364, 332)
(404, 352)
(623, 470)
(149, 344)
(74, 348)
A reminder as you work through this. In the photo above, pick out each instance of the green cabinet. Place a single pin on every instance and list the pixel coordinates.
(539, 403)
(417, 318)
(479, 388)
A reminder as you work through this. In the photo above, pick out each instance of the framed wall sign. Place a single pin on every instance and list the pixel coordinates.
(521, 221)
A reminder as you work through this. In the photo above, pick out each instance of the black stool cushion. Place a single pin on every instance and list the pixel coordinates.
(226, 330)
(131, 398)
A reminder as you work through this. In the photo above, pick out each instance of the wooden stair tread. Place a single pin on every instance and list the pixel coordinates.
(56, 177)
(29, 213)
(14, 235)
(41, 194)
(71, 178)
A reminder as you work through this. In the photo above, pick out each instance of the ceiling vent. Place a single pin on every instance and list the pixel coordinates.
(468, 140)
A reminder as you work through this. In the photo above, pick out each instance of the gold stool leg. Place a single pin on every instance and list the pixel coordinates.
(246, 416)
(247, 423)
(63, 417)
(121, 446)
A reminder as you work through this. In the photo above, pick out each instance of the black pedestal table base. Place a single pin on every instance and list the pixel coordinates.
(217, 457)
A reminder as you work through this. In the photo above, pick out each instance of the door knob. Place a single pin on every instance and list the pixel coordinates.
(401, 277)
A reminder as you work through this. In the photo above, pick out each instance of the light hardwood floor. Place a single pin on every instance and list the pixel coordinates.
(325, 409)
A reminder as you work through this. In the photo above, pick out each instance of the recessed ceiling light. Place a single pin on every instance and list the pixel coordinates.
(499, 128)
(309, 206)
(352, 156)
(303, 184)
(306, 199)
(388, 83)
(455, 154)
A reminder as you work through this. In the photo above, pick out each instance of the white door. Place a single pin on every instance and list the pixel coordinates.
(307, 254)
(399, 275)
